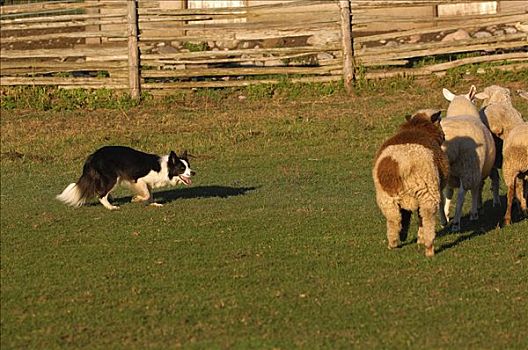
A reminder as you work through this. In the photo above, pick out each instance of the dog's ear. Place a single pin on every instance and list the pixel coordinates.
(173, 158)
(184, 154)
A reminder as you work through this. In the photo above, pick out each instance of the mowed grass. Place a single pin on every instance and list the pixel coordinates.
(279, 243)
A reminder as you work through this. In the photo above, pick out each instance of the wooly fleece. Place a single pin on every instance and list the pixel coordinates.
(515, 167)
(497, 111)
(409, 172)
(506, 123)
(470, 149)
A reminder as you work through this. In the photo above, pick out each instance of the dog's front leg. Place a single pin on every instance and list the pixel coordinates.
(143, 193)
(151, 199)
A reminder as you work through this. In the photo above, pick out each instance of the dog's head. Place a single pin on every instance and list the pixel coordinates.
(179, 169)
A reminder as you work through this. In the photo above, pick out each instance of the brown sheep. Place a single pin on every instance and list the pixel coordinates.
(410, 171)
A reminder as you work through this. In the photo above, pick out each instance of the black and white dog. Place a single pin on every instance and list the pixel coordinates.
(141, 172)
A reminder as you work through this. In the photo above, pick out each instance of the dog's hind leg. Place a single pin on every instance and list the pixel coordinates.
(104, 201)
(109, 185)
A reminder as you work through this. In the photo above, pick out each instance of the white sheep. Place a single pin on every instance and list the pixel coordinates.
(506, 123)
(410, 171)
(497, 111)
(470, 149)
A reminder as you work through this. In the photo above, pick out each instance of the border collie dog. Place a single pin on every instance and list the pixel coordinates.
(141, 172)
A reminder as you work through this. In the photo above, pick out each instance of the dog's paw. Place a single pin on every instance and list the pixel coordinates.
(136, 199)
(154, 204)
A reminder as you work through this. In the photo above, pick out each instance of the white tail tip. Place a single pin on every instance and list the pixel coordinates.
(71, 196)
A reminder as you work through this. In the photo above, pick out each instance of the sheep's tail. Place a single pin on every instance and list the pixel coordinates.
(389, 175)
(76, 194)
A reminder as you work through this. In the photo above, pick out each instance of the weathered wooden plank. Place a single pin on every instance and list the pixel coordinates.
(441, 51)
(62, 18)
(80, 82)
(39, 7)
(134, 67)
(118, 53)
(442, 28)
(370, 4)
(440, 44)
(236, 83)
(57, 25)
(210, 72)
(54, 36)
(169, 62)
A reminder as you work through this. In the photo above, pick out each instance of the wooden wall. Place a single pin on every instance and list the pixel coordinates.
(84, 44)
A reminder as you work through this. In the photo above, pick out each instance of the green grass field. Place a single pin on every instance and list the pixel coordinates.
(279, 243)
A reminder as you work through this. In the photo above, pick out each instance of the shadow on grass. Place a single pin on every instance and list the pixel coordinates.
(202, 192)
(211, 191)
(490, 218)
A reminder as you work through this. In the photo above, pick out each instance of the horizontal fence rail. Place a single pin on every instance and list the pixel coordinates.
(91, 43)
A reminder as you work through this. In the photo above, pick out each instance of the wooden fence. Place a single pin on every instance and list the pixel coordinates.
(149, 45)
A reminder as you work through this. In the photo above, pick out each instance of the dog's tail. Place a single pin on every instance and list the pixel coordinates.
(76, 194)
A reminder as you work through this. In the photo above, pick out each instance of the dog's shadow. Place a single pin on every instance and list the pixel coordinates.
(211, 191)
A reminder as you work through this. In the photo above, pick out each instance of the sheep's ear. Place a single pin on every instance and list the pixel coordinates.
(408, 117)
(448, 94)
(436, 116)
(481, 96)
(471, 93)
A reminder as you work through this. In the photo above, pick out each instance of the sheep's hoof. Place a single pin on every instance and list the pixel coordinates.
(429, 251)
(394, 244)
(455, 227)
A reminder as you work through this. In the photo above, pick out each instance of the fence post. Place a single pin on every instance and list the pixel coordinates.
(348, 53)
(133, 50)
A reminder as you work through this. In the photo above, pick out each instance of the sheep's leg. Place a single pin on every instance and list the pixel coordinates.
(447, 202)
(476, 202)
(511, 192)
(458, 212)
(405, 223)
(428, 229)
(519, 194)
(494, 175)
(394, 226)
(420, 239)
(441, 211)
